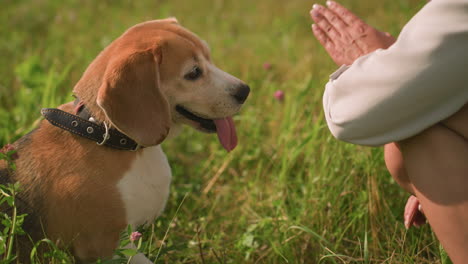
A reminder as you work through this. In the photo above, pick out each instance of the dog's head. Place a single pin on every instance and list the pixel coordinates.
(157, 75)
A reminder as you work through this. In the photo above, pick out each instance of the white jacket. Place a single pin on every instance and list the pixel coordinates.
(393, 94)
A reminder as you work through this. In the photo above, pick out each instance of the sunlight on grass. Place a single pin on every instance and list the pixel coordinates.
(289, 193)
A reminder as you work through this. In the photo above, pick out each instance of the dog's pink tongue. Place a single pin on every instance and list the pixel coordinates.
(226, 132)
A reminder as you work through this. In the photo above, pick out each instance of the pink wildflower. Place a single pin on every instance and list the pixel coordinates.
(279, 95)
(267, 66)
(135, 236)
(7, 148)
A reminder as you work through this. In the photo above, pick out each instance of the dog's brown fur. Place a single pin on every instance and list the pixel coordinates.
(70, 183)
(78, 205)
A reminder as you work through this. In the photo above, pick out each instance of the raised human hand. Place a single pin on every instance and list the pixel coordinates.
(345, 36)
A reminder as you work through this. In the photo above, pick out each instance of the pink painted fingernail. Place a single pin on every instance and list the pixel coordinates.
(330, 3)
(315, 6)
(314, 13)
(406, 224)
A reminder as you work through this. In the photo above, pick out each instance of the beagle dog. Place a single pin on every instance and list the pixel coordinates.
(95, 165)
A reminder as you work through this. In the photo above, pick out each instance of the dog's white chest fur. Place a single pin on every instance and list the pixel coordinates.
(145, 186)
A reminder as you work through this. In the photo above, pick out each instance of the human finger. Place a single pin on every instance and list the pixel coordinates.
(411, 208)
(347, 16)
(334, 20)
(322, 37)
(324, 24)
(367, 38)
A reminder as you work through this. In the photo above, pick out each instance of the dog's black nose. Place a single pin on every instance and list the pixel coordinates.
(242, 92)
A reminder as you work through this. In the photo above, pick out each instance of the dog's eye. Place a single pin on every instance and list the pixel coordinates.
(194, 74)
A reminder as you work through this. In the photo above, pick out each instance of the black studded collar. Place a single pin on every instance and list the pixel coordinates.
(83, 124)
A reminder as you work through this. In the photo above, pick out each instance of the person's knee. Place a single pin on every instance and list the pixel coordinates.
(458, 122)
(450, 131)
(434, 139)
(395, 165)
(436, 159)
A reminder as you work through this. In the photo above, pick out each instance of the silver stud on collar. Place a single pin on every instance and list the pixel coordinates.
(123, 141)
(90, 130)
(74, 123)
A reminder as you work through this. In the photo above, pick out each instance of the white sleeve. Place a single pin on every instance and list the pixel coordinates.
(393, 94)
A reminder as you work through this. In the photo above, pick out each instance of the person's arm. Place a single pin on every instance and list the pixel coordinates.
(393, 94)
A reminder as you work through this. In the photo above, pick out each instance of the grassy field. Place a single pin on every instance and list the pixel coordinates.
(289, 193)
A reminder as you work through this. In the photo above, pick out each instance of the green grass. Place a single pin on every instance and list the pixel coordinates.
(289, 193)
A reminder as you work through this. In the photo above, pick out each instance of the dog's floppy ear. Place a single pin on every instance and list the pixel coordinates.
(172, 20)
(131, 98)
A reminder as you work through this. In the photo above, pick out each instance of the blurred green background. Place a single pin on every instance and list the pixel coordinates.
(289, 193)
